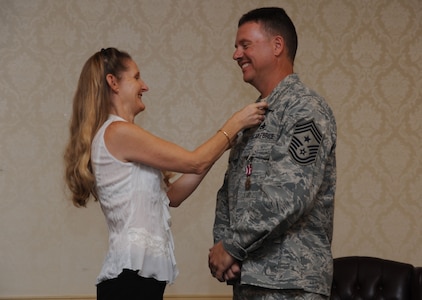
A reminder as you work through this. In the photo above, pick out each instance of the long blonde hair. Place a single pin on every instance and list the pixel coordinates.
(91, 106)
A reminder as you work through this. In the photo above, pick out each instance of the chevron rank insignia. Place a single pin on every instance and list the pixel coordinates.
(305, 143)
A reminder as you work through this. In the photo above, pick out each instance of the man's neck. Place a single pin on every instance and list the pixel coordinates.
(271, 85)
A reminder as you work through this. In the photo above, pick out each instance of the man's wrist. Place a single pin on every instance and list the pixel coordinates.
(234, 250)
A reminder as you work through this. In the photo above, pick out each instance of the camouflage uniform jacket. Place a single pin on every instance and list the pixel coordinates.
(280, 228)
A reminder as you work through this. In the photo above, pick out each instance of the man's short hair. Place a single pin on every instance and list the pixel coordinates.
(274, 21)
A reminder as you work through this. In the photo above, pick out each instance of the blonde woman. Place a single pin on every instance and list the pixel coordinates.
(119, 164)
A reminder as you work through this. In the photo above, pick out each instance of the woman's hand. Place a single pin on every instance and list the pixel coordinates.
(251, 115)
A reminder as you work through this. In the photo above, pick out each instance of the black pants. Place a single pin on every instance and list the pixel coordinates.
(130, 286)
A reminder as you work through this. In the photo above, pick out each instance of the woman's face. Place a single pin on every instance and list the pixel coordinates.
(131, 88)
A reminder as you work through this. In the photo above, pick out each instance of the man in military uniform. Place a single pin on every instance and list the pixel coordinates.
(274, 214)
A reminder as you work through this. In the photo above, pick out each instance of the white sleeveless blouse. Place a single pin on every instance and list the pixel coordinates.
(136, 208)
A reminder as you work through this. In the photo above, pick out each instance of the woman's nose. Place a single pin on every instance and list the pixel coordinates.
(145, 88)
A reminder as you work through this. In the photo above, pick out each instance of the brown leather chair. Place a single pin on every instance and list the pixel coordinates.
(370, 278)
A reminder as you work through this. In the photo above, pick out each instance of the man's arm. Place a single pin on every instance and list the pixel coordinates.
(287, 189)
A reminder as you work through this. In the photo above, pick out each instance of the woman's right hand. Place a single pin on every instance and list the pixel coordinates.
(251, 115)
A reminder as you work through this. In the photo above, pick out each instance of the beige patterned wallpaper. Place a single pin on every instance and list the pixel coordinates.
(364, 56)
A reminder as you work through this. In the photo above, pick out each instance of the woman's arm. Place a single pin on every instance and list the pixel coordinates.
(183, 187)
(128, 142)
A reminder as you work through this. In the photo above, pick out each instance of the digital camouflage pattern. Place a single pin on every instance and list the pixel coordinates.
(249, 292)
(281, 227)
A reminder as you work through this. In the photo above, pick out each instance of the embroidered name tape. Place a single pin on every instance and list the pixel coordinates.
(305, 143)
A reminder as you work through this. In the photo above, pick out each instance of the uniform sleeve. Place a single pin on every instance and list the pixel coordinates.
(287, 176)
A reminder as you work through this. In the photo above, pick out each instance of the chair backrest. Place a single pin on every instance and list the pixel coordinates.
(417, 284)
(371, 278)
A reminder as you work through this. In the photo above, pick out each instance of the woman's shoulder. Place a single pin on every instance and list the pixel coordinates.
(121, 127)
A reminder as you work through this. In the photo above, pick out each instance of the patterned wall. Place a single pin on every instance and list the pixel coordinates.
(364, 56)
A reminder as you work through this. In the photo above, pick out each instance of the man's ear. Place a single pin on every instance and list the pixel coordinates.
(279, 45)
(112, 82)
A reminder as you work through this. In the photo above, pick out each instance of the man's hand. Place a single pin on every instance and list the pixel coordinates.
(220, 261)
(233, 272)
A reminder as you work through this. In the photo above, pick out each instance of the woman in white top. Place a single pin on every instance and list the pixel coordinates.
(119, 164)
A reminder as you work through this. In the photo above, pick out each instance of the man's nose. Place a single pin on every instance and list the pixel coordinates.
(237, 54)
